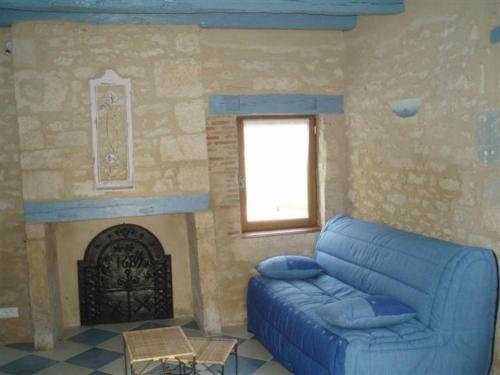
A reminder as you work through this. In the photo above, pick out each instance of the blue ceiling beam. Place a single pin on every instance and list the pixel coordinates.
(205, 20)
(323, 7)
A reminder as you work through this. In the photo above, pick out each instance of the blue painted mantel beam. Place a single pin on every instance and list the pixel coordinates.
(207, 20)
(275, 104)
(90, 209)
(323, 7)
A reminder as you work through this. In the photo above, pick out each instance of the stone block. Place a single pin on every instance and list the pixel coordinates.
(204, 220)
(177, 78)
(35, 231)
(188, 43)
(43, 185)
(26, 53)
(69, 139)
(152, 108)
(85, 189)
(132, 71)
(191, 117)
(30, 133)
(84, 72)
(41, 92)
(144, 159)
(449, 184)
(275, 83)
(184, 147)
(56, 158)
(193, 179)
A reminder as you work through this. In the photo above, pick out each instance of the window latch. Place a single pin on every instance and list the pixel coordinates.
(241, 182)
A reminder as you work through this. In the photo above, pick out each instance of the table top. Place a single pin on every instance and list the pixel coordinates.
(157, 344)
(213, 351)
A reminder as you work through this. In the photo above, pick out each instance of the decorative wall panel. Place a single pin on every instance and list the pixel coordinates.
(112, 131)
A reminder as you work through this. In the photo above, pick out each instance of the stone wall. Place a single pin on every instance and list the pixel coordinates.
(272, 61)
(259, 62)
(13, 265)
(43, 284)
(54, 62)
(423, 173)
(204, 271)
(172, 69)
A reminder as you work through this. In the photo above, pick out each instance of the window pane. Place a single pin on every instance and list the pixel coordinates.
(276, 168)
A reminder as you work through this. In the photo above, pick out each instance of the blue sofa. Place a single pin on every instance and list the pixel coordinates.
(452, 288)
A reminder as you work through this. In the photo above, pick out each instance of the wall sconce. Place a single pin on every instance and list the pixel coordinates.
(405, 107)
(8, 48)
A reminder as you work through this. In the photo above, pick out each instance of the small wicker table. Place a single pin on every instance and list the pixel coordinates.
(157, 344)
(210, 351)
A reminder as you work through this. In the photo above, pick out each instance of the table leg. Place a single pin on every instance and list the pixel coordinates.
(222, 373)
(125, 356)
(236, 357)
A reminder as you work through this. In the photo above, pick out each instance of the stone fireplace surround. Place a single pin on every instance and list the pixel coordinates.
(57, 234)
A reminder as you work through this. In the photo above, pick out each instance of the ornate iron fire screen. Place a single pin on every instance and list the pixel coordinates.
(124, 276)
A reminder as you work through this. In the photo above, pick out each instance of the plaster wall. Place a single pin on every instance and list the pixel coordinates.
(424, 173)
(14, 290)
(72, 240)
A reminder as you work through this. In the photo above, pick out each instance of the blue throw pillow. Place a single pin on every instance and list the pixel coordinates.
(366, 312)
(289, 267)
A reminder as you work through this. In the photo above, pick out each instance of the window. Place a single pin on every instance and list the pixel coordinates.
(277, 172)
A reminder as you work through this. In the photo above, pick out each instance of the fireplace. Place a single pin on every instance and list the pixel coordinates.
(124, 276)
(63, 295)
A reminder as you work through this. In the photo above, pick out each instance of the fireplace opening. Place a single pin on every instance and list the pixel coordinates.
(124, 276)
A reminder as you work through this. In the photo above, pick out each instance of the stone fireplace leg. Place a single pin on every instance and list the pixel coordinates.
(203, 259)
(44, 285)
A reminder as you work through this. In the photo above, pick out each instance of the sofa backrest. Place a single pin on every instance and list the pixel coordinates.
(437, 278)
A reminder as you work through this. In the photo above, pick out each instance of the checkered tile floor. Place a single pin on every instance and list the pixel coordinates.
(98, 350)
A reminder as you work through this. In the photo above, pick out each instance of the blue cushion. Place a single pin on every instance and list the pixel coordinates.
(289, 267)
(366, 312)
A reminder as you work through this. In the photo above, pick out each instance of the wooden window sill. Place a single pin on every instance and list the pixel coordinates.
(279, 232)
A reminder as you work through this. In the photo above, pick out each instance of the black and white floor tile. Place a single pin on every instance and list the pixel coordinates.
(98, 350)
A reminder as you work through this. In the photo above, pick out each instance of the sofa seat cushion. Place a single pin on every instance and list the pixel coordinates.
(366, 312)
(291, 308)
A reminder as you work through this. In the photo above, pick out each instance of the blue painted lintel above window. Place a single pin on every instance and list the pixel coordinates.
(91, 209)
(275, 104)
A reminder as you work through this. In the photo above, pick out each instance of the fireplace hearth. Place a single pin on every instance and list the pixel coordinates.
(124, 276)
